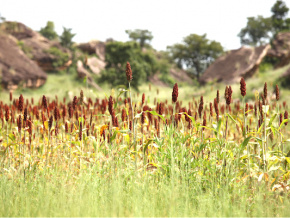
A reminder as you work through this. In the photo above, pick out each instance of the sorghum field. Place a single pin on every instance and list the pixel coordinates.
(123, 155)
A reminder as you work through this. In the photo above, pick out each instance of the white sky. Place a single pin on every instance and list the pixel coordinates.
(168, 20)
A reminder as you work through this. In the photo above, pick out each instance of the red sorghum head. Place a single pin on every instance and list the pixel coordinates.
(265, 91)
(75, 101)
(277, 93)
(200, 108)
(20, 103)
(129, 72)
(286, 117)
(143, 98)
(44, 102)
(246, 109)
(175, 93)
(243, 87)
(50, 122)
(7, 114)
(111, 105)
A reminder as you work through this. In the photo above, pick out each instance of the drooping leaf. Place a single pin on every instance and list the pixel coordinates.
(11, 137)
(155, 113)
(245, 142)
(231, 118)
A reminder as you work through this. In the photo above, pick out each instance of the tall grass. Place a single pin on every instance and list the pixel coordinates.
(89, 163)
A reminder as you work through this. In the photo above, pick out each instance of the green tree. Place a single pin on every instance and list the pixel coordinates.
(48, 31)
(143, 64)
(257, 31)
(140, 36)
(280, 22)
(195, 53)
(66, 37)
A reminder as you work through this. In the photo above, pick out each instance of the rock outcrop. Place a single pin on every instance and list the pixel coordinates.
(177, 74)
(95, 64)
(40, 49)
(83, 72)
(229, 68)
(281, 49)
(16, 68)
(94, 47)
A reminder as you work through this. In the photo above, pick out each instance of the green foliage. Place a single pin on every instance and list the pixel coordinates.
(257, 31)
(140, 35)
(280, 22)
(48, 31)
(196, 53)
(261, 30)
(66, 37)
(143, 64)
(60, 57)
(167, 79)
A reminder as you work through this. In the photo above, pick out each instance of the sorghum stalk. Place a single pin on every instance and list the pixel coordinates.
(277, 99)
(245, 110)
(174, 100)
(129, 78)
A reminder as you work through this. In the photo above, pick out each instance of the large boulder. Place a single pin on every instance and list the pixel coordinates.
(229, 68)
(16, 68)
(96, 65)
(49, 55)
(281, 49)
(94, 47)
(84, 73)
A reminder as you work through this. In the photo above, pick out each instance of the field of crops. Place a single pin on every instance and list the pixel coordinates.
(125, 156)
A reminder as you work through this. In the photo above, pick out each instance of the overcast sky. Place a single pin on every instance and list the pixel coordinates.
(168, 20)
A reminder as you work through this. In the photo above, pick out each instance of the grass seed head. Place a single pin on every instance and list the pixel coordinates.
(286, 117)
(81, 101)
(143, 98)
(129, 72)
(175, 93)
(111, 105)
(265, 91)
(277, 93)
(200, 107)
(20, 103)
(246, 109)
(243, 87)
(25, 115)
(44, 102)
(50, 122)
(7, 114)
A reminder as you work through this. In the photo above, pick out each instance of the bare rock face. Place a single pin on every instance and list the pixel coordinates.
(180, 75)
(229, 68)
(94, 47)
(83, 72)
(16, 68)
(281, 49)
(177, 74)
(37, 47)
(96, 65)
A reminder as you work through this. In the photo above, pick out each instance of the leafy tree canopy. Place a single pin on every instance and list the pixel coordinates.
(280, 22)
(140, 36)
(260, 30)
(195, 53)
(66, 37)
(143, 63)
(48, 31)
(257, 31)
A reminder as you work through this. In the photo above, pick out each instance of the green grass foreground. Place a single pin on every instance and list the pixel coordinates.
(99, 191)
(178, 159)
